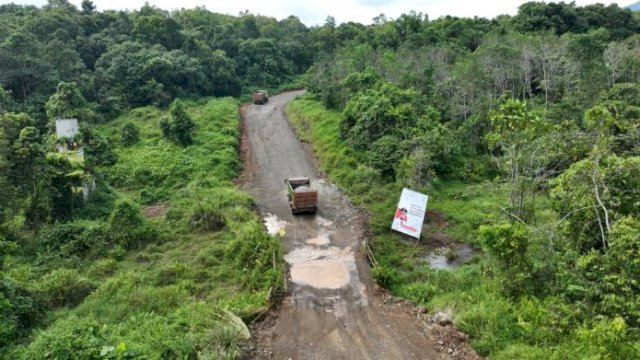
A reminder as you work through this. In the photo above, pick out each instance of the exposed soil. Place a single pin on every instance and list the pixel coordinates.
(331, 309)
(155, 211)
(436, 218)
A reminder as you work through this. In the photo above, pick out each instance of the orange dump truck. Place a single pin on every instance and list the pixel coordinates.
(302, 198)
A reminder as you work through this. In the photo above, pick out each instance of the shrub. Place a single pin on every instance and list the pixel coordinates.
(180, 126)
(129, 134)
(607, 338)
(78, 238)
(128, 227)
(384, 276)
(490, 323)
(420, 292)
(71, 338)
(522, 352)
(103, 267)
(64, 287)
(125, 215)
(206, 218)
(251, 250)
(19, 311)
(507, 243)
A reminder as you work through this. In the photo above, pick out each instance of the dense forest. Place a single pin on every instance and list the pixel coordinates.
(525, 128)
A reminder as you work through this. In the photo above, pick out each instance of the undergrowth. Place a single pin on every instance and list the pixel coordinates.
(500, 326)
(119, 284)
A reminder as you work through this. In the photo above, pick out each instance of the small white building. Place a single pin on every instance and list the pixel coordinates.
(66, 128)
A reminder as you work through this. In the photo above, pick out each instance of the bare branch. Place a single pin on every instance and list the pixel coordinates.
(573, 212)
(515, 217)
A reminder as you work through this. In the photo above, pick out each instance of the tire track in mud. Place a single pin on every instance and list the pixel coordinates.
(330, 310)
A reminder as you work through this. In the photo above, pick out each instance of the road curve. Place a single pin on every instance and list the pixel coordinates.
(329, 311)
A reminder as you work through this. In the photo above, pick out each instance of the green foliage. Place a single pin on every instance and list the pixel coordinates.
(125, 215)
(64, 287)
(374, 112)
(489, 322)
(418, 98)
(128, 228)
(549, 296)
(180, 127)
(130, 134)
(607, 338)
(6, 247)
(79, 337)
(32, 175)
(206, 218)
(20, 309)
(129, 282)
(253, 251)
(609, 281)
(574, 194)
(68, 103)
(377, 120)
(195, 329)
(384, 276)
(98, 150)
(77, 238)
(508, 244)
(516, 132)
(6, 102)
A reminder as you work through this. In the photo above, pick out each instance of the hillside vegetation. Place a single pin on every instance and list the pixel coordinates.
(114, 283)
(524, 131)
(129, 239)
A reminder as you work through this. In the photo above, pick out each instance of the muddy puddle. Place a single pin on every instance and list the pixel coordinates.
(321, 267)
(320, 240)
(450, 257)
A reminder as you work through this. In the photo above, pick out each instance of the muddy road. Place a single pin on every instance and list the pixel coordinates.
(330, 310)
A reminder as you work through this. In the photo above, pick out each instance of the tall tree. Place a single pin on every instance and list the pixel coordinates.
(515, 132)
(32, 175)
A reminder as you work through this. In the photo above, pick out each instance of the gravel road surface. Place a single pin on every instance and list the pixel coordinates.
(330, 310)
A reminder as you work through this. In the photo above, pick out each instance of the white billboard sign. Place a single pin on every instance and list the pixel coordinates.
(410, 212)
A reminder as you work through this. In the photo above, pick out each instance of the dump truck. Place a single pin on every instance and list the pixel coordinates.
(260, 97)
(302, 197)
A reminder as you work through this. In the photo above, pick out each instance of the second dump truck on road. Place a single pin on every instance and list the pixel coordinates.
(260, 97)
(302, 198)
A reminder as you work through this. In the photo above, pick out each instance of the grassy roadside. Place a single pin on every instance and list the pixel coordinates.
(200, 266)
(499, 326)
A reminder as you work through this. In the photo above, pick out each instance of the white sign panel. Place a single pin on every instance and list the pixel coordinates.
(410, 213)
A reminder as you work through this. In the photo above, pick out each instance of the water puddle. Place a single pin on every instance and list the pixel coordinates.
(449, 258)
(321, 268)
(320, 240)
(323, 222)
(321, 274)
(274, 225)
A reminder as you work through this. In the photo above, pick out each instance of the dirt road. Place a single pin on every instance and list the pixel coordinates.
(330, 311)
